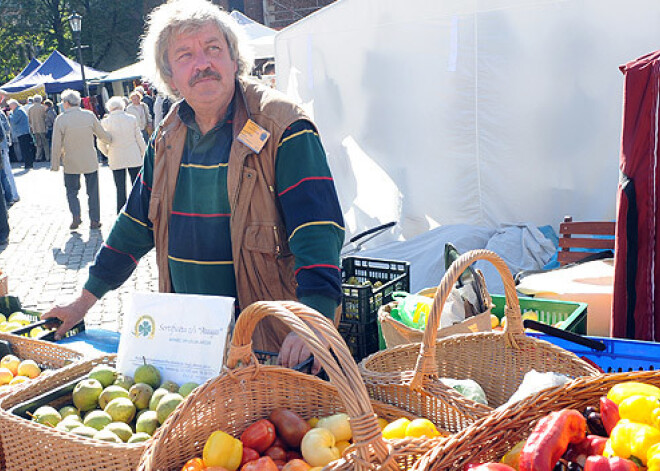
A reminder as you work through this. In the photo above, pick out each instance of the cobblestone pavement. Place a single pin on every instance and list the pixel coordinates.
(48, 263)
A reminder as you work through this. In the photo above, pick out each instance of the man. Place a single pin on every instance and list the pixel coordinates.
(73, 147)
(225, 219)
(37, 120)
(4, 218)
(20, 129)
(7, 177)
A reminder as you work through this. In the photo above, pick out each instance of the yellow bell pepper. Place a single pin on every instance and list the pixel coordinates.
(221, 449)
(639, 409)
(632, 441)
(653, 458)
(622, 391)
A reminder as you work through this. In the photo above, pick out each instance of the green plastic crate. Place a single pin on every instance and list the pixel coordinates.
(572, 315)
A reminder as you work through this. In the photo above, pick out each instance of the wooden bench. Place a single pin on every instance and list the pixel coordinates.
(567, 242)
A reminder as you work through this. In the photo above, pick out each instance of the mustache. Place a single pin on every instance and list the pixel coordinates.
(203, 74)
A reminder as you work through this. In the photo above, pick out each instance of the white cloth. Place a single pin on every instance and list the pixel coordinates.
(128, 146)
(141, 113)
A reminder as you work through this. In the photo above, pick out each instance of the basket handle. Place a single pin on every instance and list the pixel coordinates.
(426, 364)
(315, 330)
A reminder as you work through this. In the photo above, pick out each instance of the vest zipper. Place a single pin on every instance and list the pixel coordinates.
(278, 248)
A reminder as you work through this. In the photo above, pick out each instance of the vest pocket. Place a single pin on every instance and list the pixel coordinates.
(154, 208)
(266, 238)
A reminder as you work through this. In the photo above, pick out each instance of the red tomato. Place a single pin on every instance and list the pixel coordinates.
(277, 453)
(195, 464)
(264, 463)
(279, 442)
(259, 436)
(296, 465)
(249, 454)
(293, 455)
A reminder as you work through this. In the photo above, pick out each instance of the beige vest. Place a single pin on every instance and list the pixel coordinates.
(263, 263)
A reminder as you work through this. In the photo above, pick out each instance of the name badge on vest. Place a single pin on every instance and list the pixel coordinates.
(253, 136)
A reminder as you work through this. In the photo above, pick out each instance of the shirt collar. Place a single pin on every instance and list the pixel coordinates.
(187, 115)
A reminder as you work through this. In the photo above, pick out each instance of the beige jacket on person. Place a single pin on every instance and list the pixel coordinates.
(128, 146)
(141, 112)
(73, 141)
(37, 119)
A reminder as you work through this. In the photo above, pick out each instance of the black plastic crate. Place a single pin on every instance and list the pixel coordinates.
(11, 304)
(270, 358)
(362, 340)
(378, 280)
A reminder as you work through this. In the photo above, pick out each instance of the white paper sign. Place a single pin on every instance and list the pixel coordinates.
(183, 335)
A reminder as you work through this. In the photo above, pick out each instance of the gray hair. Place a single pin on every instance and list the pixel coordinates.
(115, 103)
(71, 97)
(13, 102)
(182, 16)
(37, 99)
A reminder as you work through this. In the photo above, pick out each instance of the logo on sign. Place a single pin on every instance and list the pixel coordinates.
(145, 327)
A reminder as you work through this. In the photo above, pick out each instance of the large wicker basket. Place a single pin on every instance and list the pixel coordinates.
(240, 396)
(28, 445)
(407, 376)
(492, 437)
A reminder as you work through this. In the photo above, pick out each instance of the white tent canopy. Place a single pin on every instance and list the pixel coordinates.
(480, 112)
(261, 38)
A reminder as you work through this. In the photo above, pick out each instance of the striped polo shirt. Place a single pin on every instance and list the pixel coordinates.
(200, 254)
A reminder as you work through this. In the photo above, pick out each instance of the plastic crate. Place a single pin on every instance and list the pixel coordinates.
(360, 303)
(565, 315)
(270, 358)
(620, 355)
(362, 340)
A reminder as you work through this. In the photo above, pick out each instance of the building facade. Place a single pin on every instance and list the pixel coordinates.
(275, 14)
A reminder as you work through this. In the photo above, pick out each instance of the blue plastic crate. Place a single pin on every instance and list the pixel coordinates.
(620, 355)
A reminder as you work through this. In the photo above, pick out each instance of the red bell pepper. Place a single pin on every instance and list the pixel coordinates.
(600, 463)
(609, 413)
(550, 439)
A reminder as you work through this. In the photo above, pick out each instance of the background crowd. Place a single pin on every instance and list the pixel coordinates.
(78, 135)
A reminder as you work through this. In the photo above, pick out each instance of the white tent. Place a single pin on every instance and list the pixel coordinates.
(478, 112)
(261, 38)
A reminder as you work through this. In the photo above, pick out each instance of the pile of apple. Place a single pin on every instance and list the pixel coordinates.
(16, 320)
(113, 407)
(14, 371)
(285, 442)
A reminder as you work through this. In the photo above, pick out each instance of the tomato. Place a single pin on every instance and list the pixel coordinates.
(249, 454)
(265, 463)
(293, 455)
(195, 464)
(279, 442)
(259, 436)
(277, 453)
(296, 465)
(290, 426)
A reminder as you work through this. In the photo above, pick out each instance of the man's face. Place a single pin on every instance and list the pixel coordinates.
(135, 99)
(203, 71)
(12, 106)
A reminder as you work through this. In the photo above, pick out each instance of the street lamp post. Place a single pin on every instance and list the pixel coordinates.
(75, 20)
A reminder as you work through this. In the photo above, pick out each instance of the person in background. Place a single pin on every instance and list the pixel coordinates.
(235, 192)
(73, 148)
(162, 106)
(127, 148)
(20, 130)
(141, 112)
(4, 217)
(51, 114)
(147, 99)
(7, 176)
(37, 120)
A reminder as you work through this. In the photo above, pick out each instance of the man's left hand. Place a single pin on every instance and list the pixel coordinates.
(294, 351)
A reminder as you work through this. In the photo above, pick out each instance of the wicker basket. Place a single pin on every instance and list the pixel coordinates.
(407, 375)
(47, 355)
(239, 397)
(492, 437)
(28, 445)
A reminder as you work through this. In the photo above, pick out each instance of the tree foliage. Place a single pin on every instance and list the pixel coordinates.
(111, 31)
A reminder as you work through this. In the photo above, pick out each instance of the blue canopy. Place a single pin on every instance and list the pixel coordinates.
(57, 73)
(34, 63)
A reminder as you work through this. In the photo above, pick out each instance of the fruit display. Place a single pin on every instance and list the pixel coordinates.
(287, 442)
(112, 407)
(14, 321)
(13, 371)
(622, 434)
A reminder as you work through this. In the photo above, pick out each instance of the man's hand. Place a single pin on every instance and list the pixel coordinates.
(71, 314)
(294, 351)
